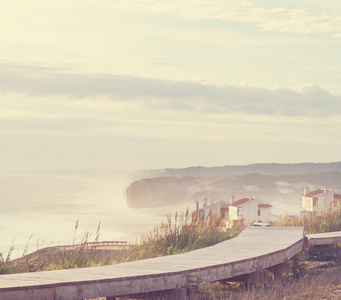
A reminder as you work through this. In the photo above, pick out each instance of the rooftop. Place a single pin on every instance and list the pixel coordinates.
(315, 193)
(242, 201)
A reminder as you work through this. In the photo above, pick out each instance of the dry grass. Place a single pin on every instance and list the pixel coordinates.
(326, 221)
(177, 235)
(56, 258)
(181, 234)
(324, 284)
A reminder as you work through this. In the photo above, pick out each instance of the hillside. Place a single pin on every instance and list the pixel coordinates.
(265, 169)
(273, 183)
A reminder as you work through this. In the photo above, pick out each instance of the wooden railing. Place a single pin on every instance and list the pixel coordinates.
(107, 243)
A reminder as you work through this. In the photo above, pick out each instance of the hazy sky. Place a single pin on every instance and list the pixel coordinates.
(159, 83)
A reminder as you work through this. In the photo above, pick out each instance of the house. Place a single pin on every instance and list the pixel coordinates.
(245, 209)
(248, 210)
(337, 200)
(316, 201)
(265, 215)
(220, 209)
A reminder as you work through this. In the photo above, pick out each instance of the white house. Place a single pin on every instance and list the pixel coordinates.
(264, 213)
(316, 201)
(220, 209)
(245, 209)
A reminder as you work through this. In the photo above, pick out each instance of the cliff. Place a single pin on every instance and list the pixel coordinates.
(272, 182)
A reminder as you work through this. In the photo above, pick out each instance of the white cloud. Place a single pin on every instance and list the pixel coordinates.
(156, 94)
(279, 19)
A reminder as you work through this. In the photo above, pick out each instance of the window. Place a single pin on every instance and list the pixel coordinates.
(239, 211)
(201, 214)
(258, 212)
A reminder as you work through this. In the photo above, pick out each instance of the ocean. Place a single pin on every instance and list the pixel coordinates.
(41, 208)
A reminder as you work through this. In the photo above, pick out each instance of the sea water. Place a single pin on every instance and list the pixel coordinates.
(41, 208)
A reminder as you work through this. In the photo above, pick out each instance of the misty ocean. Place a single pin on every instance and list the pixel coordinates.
(40, 208)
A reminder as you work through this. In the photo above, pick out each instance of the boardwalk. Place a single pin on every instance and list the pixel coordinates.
(324, 240)
(254, 249)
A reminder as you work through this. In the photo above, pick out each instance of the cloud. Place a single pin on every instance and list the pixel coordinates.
(278, 19)
(150, 93)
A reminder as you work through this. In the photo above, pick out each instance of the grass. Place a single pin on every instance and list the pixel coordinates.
(327, 221)
(78, 255)
(182, 234)
(323, 285)
(185, 233)
(314, 280)
(177, 235)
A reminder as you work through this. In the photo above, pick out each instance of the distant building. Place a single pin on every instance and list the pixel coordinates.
(264, 213)
(337, 199)
(245, 209)
(316, 201)
(248, 210)
(219, 209)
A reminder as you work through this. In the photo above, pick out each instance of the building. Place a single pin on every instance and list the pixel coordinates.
(337, 200)
(264, 214)
(245, 209)
(316, 201)
(248, 210)
(219, 209)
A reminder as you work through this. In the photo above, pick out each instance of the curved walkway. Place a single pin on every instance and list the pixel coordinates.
(255, 249)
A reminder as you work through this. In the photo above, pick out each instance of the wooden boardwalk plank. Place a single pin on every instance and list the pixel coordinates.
(327, 238)
(255, 248)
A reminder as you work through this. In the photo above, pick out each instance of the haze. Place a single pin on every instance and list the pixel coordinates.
(136, 84)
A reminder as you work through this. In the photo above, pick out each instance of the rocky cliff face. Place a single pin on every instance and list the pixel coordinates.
(159, 191)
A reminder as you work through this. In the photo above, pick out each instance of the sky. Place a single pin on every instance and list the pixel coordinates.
(149, 84)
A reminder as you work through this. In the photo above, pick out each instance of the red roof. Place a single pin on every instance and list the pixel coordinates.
(241, 201)
(314, 193)
(264, 205)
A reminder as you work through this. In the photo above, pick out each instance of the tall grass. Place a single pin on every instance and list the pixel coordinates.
(181, 234)
(79, 255)
(324, 285)
(178, 234)
(328, 220)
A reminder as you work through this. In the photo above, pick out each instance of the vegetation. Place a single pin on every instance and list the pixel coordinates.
(185, 233)
(324, 284)
(56, 258)
(181, 234)
(327, 221)
(307, 281)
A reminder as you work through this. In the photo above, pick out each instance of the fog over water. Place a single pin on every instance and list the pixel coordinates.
(47, 204)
